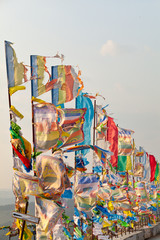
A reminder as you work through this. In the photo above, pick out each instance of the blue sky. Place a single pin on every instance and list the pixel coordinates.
(116, 45)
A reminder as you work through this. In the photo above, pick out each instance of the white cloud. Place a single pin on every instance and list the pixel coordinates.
(113, 49)
(109, 48)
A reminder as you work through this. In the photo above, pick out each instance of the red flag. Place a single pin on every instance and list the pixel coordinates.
(112, 137)
(153, 165)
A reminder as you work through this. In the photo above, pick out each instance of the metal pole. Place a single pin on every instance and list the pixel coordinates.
(94, 124)
(23, 224)
(94, 142)
(133, 162)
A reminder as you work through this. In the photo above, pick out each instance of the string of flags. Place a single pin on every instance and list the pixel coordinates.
(122, 183)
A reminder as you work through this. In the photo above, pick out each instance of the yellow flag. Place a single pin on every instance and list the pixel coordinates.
(129, 163)
(15, 89)
(110, 206)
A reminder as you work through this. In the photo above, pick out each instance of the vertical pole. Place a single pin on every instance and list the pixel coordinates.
(94, 142)
(94, 124)
(9, 97)
(133, 162)
(24, 222)
(9, 101)
(33, 81)
(32, 105)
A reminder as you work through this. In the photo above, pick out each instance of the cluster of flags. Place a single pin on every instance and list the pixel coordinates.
(123, 183)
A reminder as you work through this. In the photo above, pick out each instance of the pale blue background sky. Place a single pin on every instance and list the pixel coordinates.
(116, 44)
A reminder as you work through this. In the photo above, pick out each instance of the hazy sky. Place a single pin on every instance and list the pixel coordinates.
(115, 43)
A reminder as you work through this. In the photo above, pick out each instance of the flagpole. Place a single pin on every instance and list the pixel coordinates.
(133, 161)
(94, 124)
(9, 97)
(94, 141)
(9, 102)
(32, 108)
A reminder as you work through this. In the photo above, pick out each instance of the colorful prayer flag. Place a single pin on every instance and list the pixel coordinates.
(153, 166)
(84, 102)
(141, 192)
(124, 141)
(38, 68)
(52, 175)
(139, 169)
(15, 71)
(49, 213)
(25, 185)
(66, 85)
(86, 188)
(112, 137)
(55, 128)
(124, 163)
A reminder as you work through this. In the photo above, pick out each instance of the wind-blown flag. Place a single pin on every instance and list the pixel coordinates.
(124, 141)
(104, 192)
(146, 165)
(52, 175)
(124, 163)
(84, 102)
(38, 68)
(66, 85)
(101, 123)
(157, 173)
(86, 188)
(72, 127)
(56, 127)
(49, 213)
(101, 153)
(112, 137)
(139, 169)
(16, 72)
(153, 191)
(141, 192)
(25, 185)
(153, 167)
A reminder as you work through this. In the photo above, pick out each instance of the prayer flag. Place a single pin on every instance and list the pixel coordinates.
(146, 165)
(153, 166)
(52, 175)
(124, 163)
(38, 68)
(141, 192)
(25, 185)
(138, 171)
(124, 141)
(55, 128)
(15, 71)
(49, 213)
(66, 85)
(84, 102)
(86, 188)
(112, 137)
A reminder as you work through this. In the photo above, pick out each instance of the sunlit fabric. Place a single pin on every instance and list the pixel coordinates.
(24, 185)
(56, 127)
(38, 70)
(124, 163)
(15, 70)
(86, 188)
(112, 137)
(139, 169)
(52, 175)
(153, 168)
(66, 84)
(141, 192)
(84, 102)
(124, 141)
(49, 213)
